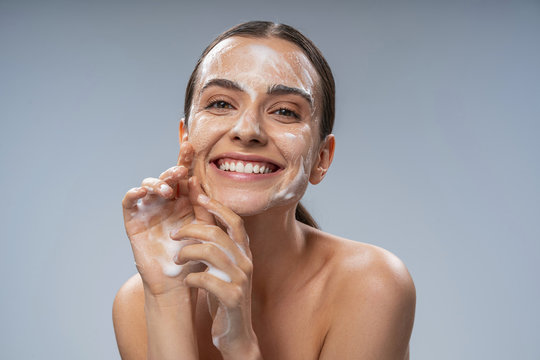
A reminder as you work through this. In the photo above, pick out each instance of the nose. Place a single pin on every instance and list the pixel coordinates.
(248, 130)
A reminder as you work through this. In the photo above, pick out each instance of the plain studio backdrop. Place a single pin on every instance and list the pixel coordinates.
(437, 158)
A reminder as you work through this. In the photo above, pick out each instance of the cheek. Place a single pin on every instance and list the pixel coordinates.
(204, 131)
(296, 144)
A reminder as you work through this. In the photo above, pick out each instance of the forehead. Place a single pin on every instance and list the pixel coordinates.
(259, 62)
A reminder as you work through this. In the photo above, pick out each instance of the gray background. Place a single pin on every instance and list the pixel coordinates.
(437, 156)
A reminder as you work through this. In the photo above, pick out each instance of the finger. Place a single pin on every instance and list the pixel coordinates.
(201, 214)
(185, 156)
(132, 196)
(216, 236)
(233, 222)
(158, 187)
(219, 264)
(207, 234)
(173, 177)
(230, 294)
(173, 174)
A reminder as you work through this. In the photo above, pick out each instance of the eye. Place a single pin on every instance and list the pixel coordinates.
(219, 104)
(286, 112)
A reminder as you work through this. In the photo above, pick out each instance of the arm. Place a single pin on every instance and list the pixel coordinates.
(153, 312)
(374, 312)
(224, 247)
(129, 319)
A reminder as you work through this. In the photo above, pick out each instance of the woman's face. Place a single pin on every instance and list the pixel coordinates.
(255, 123)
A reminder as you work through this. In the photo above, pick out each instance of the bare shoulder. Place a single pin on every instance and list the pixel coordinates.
(373, 301)
(129, 319)
(369, 267)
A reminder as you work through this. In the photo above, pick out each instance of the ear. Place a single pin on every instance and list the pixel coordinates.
(182, 137)
(182, 131)
(323, 161)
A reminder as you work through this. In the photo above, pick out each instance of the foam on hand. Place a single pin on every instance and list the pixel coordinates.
(145, 212)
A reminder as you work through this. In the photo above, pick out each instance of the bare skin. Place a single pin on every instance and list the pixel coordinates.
(294, 292)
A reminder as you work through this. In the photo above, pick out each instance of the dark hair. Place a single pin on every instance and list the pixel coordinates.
(267, 29)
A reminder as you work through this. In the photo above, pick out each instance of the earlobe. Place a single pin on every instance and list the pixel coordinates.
(324, 160)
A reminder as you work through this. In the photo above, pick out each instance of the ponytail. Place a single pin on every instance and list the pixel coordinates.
(305, 217)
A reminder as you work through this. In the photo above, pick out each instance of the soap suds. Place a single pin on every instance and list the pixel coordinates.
(216, 338)
(158, 234)
(294, 187)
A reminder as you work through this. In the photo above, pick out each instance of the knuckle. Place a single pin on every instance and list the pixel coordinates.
(247, 267)
(207, 250)
(235, 296)
(215, 232)
(243, 280)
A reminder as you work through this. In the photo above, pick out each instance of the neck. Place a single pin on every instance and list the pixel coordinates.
(277, 243)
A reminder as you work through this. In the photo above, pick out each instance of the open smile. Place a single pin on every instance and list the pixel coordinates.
(245, 164)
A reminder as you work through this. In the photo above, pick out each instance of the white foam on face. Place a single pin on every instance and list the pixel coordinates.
(247, 121)
(256, 65)
(282, 66)
(290, 135)
(294, 188)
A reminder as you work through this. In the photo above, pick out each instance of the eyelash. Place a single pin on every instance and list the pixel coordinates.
(215, 102)
(226, 105)
(292, 112)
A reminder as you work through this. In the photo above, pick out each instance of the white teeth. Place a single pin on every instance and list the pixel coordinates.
(248, 168)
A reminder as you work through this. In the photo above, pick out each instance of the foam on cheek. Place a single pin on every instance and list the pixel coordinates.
(294, 187)
(167, 248)
(295, 143)
(290, 136)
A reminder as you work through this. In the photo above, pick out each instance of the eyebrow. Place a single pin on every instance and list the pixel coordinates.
(224, 83)
(277, 89)
(286, 90)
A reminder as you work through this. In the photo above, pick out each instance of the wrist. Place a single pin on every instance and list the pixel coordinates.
(182, 297)
(170, 324)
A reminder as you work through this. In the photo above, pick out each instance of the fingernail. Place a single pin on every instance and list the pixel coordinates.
(203, 199)
(164, 189)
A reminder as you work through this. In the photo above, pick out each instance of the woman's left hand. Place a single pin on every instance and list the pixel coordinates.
(224, 247)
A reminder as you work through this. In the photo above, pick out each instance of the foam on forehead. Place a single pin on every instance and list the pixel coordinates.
(256, 62)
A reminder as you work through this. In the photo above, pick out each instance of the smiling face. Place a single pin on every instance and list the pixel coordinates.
(254, 124)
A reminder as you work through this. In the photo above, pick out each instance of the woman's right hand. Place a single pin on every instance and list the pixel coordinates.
(151, 212)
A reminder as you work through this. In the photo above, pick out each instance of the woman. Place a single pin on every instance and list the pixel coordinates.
(230, 264)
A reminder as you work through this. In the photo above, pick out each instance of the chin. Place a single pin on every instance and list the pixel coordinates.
(245, 204)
